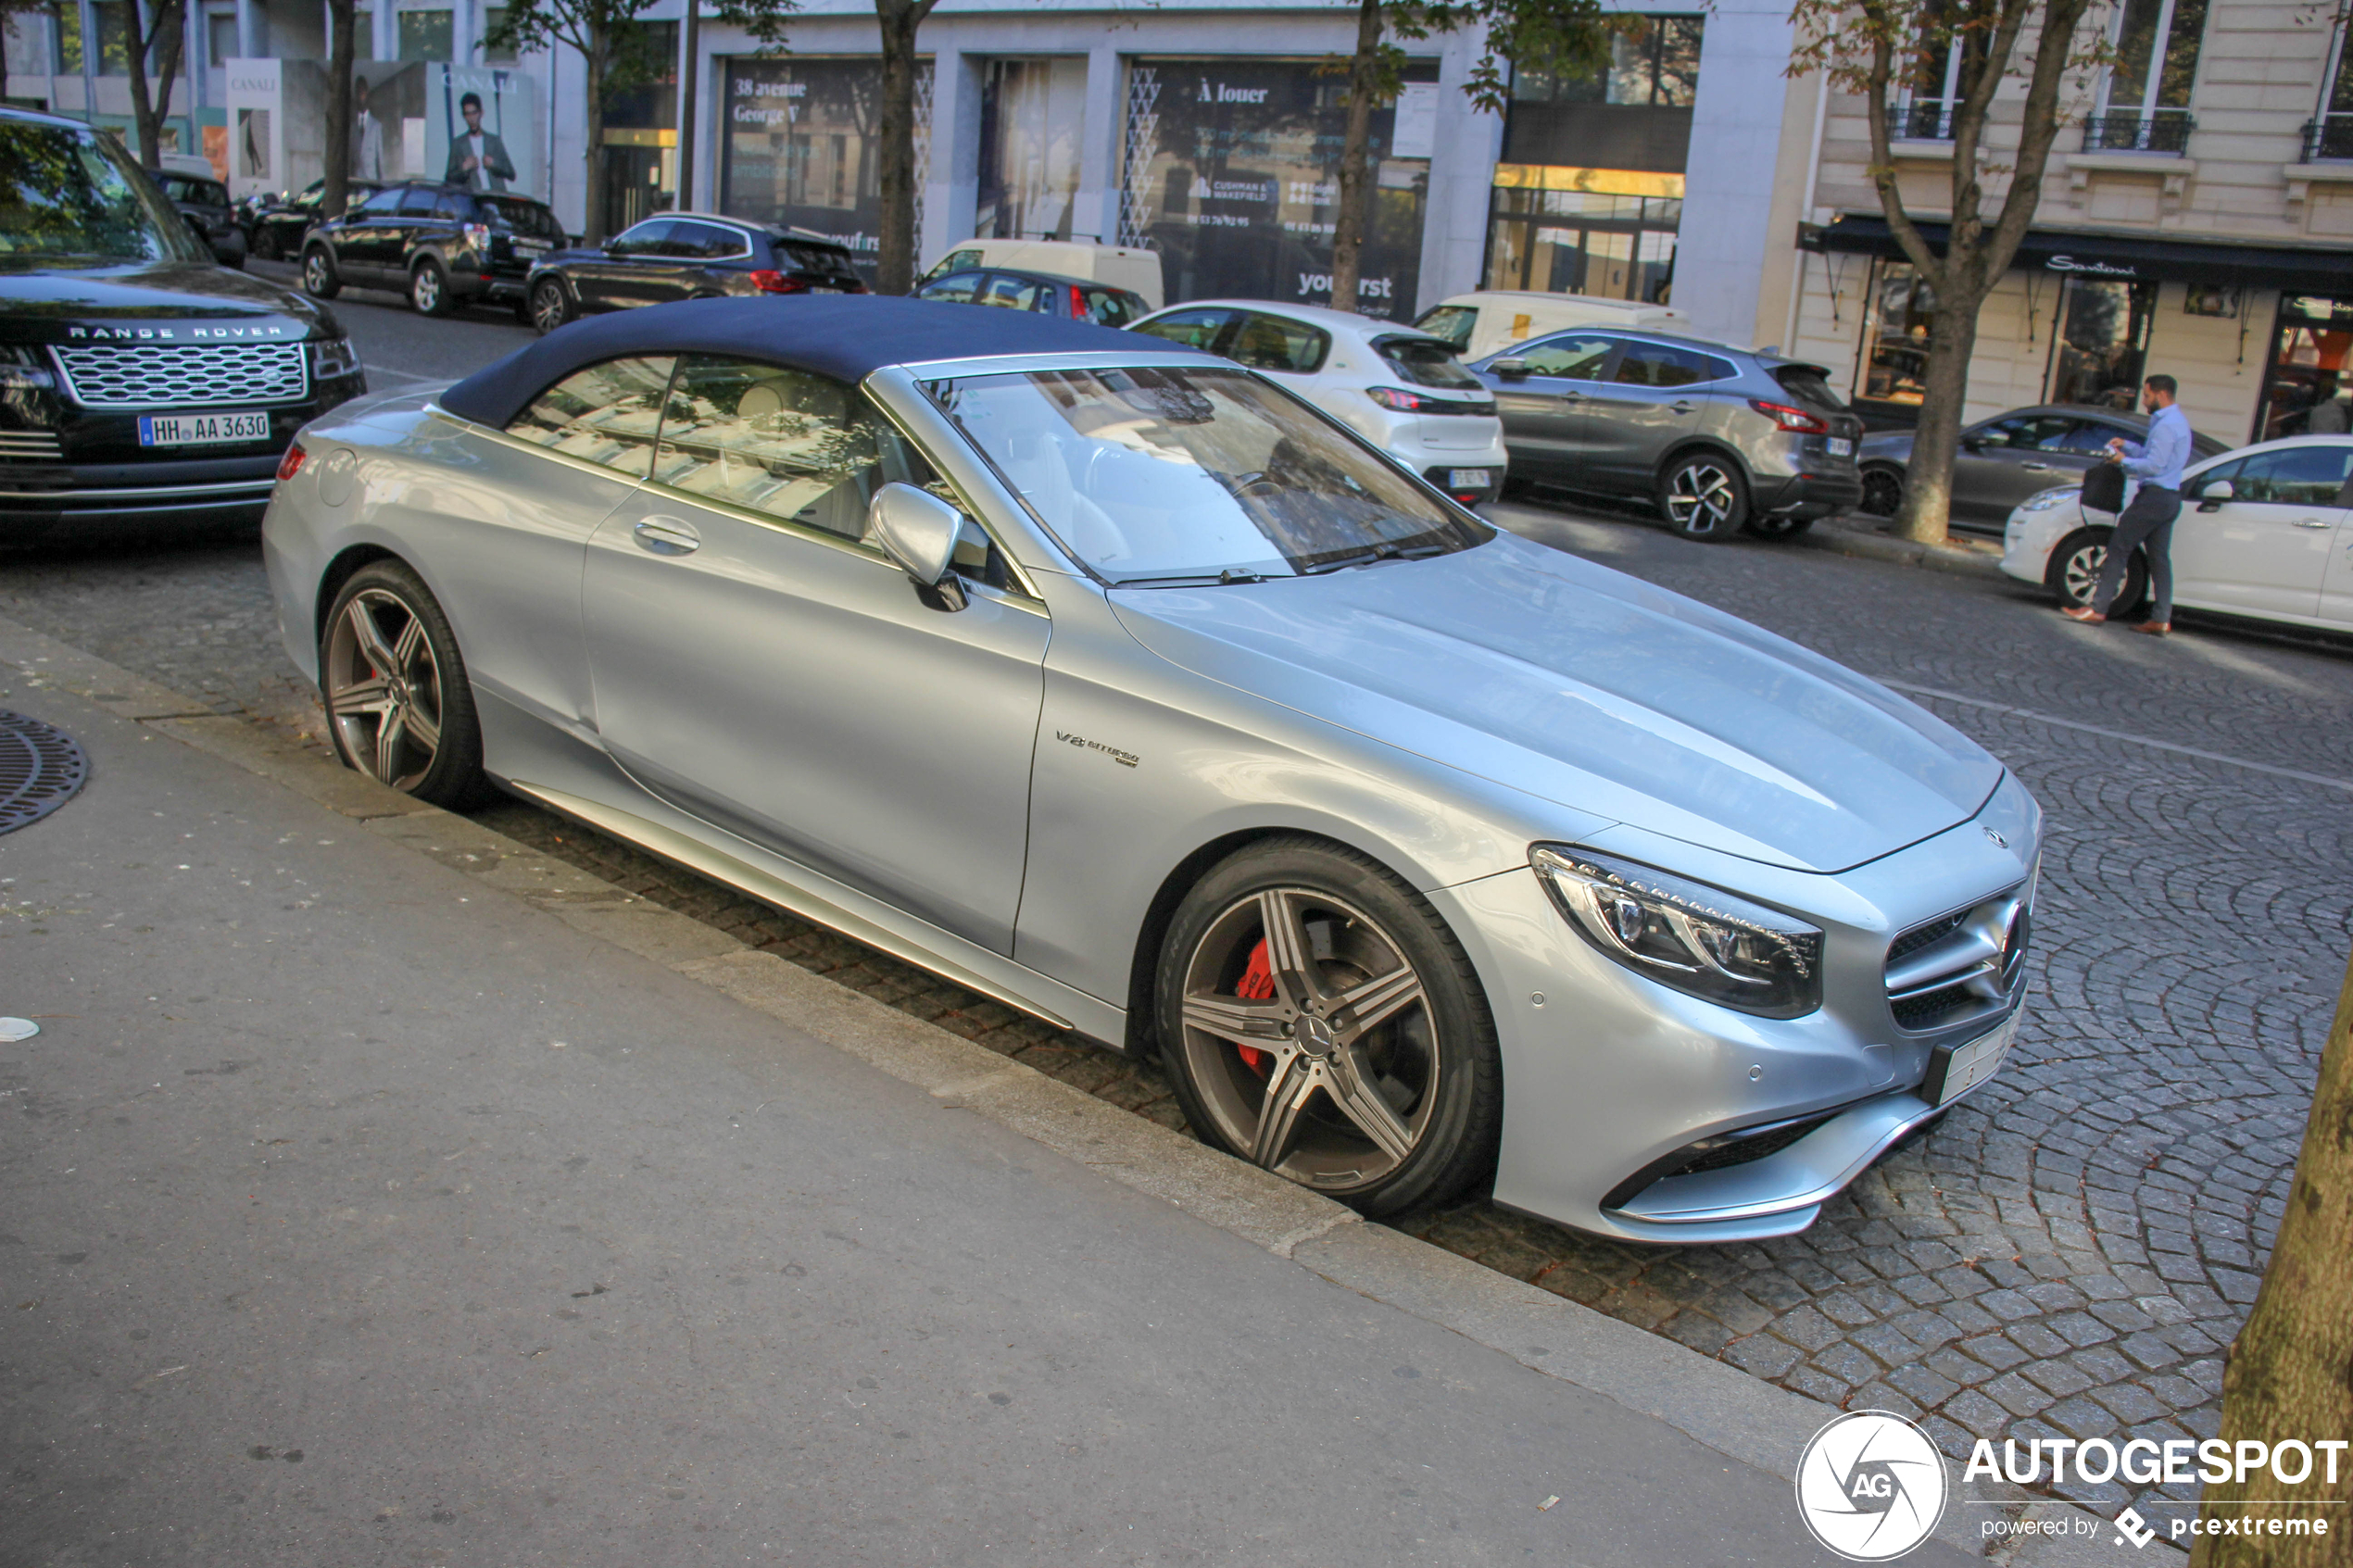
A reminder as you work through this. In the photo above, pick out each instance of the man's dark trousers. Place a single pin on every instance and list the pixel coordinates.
(2148, 525)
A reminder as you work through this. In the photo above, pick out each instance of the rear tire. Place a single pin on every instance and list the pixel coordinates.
(2075, 573)
(399, 707)
(1882, 493)
(318, 277)
(1704, 498)
(549, 306)
(1268, 1057)
(265, 245)
(429, 289)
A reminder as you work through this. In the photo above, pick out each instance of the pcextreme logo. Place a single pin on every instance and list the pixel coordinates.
(1872, 1486)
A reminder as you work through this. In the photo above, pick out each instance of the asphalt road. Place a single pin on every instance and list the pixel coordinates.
(2069, 1253)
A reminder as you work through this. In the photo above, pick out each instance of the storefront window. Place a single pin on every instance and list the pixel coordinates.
(1032, 115)
(1654, 62)
(1232, 173)
(1585, 241)
(802, 147)
(1895, 333)
(2103, 344)
(2308, 382)
(2146, 101)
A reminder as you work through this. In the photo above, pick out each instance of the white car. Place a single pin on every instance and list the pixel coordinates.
(1400, 389)
(2266, 531)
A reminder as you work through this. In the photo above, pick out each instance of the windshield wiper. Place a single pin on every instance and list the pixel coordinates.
(1378, 552)
(1219, 579)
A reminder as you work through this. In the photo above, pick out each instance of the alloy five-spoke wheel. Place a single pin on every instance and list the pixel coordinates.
(1322, 1024)
(398, 703)
(1706, 499)
(318, 279)
(550, 305)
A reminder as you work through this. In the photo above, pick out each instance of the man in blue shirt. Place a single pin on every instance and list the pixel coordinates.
(2147, 523)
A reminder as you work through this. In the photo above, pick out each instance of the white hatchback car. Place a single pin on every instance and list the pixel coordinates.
(2266, 531)
(1400, 388)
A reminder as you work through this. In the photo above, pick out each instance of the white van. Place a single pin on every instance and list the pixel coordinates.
(1478, 324)
(1123, 267)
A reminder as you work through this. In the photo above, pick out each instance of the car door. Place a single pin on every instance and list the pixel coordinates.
(1546, 428)
(1652, 399)
(677, 269)
(2003, 461)
(615, 280)
(368, 242)
(414, 226)
(1197, 327)
(759, 663)
(2265, 550)
(956, 288)
(2336, 587)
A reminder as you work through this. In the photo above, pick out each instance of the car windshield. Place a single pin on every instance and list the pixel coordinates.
(72, 195)
(1427, 362)
(522, 217)
(1166, 476)
(1452, 322)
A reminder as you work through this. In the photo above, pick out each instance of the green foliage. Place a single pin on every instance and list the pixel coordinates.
(608, 33)
(1558, 37)
(765, 19)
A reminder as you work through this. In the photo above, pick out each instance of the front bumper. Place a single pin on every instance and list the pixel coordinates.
(1610, 1079)
(1811, 495)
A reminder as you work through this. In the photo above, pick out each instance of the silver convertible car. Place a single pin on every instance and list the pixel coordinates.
(1118, 683)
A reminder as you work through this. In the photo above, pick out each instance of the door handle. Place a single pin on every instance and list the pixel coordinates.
(2314, 522)
(1685, 407)
(666, 537)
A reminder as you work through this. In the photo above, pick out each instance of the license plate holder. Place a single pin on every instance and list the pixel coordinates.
(202, 430)
(1953, 1071)
(1841, 446)
(1469, 478)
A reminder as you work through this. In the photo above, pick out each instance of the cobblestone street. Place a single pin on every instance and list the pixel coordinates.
(2069, 1252)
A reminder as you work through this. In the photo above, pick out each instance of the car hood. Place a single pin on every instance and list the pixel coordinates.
(1583, 686)
(155, 302)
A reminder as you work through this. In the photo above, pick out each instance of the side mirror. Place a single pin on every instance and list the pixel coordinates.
(1972, 444)
(2213, 492)
(917, 531)
(1511, 368)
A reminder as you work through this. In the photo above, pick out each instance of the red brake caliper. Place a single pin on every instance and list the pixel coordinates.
(1257, 986)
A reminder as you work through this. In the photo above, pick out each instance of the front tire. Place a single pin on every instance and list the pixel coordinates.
(1321, 1022)
(550, 305)
(398, 704)
(1882, 493)
(2075, 573)
(429, 289)
(1705, 497)
(319, 278)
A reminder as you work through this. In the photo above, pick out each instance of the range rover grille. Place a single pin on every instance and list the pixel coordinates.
(163, 377)
(1960, 965)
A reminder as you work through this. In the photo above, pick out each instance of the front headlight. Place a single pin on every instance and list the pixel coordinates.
(1696, 938)
(332, 358)
(2044, 500)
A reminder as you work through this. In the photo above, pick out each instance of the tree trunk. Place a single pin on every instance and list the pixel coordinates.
(1356, 160)
(593, 62)
(157, 34)
(895, 263)
(2290, 1372)
(336, 193)
(1928, 478)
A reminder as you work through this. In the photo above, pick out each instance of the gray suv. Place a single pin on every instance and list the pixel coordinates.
(1723, 438)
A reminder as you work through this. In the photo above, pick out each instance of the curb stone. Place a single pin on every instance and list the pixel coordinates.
(1710, 1402)
(1968, 560)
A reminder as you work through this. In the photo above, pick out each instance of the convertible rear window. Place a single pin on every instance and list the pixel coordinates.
(1165, 476)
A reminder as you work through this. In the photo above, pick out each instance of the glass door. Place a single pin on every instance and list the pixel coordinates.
(2306, 383)
(2101, 350)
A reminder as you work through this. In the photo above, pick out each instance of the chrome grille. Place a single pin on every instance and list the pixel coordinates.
(30, 447)
(1960, 965)
(165, 376)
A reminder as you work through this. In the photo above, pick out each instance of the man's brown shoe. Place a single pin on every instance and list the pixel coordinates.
(2156, 628)
(2089, 616)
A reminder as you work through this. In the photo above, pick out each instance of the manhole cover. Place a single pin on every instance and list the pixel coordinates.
(39, 769)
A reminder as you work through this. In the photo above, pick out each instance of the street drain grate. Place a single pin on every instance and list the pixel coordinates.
(39, 769)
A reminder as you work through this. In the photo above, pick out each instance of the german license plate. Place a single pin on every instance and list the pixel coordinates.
(201, 430)
(1467, 479)
(1841, 446)
(1954, 1070)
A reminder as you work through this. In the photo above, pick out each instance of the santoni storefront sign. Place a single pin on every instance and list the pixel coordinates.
(2126, 258)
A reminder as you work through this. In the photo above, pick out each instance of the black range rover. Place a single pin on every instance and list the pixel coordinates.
(138, 379)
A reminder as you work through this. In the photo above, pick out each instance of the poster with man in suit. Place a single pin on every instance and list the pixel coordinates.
(486, 135)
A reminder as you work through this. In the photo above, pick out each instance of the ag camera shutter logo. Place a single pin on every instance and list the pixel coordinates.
(1872, 1486)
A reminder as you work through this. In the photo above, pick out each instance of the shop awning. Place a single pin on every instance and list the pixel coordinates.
(2125, 257)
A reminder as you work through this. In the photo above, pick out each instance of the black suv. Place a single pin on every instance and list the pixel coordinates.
(205, 205)
(687, 256)
(440, 245)
(276, 226)
(138, 379)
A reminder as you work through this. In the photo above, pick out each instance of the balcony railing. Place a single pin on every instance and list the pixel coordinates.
(2137, 133)
(2331, 136)
(1923, 120)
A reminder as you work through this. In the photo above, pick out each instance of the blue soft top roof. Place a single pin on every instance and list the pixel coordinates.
(843, 336)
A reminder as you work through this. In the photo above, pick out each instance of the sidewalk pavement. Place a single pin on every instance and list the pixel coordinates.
(380, 1193)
